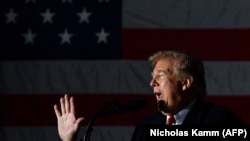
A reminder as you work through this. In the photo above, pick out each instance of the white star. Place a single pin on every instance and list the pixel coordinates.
(29, 37)
(102, 36)
(27, 1)
(11, 16)
(64, 1)
(103, 0)
(47, 16)
(65, 37)
(84, 16)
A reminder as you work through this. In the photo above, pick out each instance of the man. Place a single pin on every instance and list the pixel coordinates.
(178, 81)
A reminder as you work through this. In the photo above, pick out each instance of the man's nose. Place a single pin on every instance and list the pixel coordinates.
(152, 82)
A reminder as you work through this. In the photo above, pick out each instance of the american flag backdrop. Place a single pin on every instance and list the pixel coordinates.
(96, 50)
(61, 29)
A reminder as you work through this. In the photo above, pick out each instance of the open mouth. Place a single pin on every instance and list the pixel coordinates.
(158, 96)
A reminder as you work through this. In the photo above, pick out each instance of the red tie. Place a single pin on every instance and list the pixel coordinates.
(170, 120)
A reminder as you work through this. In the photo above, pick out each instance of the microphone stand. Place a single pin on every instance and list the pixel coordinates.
(92, 120)
(117, 109)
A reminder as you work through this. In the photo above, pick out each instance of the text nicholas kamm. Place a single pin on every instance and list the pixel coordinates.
(177, 132)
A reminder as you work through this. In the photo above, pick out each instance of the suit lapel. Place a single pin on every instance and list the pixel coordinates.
(195, 114)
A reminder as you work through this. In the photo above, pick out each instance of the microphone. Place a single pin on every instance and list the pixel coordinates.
(131, 106)
(116, 108)
(113, 103)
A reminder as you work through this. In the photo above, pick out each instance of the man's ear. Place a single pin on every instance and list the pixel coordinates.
(187, 82)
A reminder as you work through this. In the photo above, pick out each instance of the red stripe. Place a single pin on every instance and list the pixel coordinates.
(37, 110)
(208, 44)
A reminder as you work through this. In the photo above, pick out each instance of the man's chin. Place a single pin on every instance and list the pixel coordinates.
(162, 106)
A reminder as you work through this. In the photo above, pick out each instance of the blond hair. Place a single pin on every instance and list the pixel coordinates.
(187, 64)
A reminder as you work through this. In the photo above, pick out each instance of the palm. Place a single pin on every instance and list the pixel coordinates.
(68, 124)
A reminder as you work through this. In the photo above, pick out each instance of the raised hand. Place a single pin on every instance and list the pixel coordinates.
(68, 124)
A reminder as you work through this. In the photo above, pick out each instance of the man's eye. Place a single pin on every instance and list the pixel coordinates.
(161, 74)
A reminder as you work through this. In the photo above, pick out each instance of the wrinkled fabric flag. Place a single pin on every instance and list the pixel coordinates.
(97, 50)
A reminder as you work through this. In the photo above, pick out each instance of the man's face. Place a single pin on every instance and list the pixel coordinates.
(167, 88)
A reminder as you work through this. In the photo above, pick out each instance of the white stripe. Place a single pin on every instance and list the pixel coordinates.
(230, 78)
(186, 14)
(110, 77)
(45, 133)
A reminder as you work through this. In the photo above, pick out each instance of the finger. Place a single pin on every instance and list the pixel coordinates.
(72, 105)
(62, 101)
(66, 98)
(57, 112)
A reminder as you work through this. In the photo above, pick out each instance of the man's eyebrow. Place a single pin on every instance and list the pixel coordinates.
(159, 71)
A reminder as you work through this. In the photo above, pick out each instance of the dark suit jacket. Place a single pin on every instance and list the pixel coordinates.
(200, 114)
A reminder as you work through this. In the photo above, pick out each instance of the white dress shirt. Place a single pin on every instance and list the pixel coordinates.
(180, 116)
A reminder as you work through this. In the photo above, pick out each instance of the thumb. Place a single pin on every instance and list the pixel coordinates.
(78, 121)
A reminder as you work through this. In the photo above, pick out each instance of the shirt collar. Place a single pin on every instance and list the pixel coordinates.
(180, 116)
